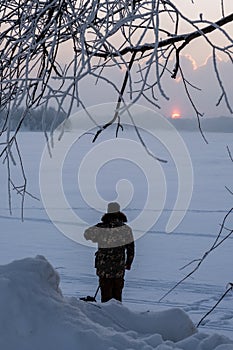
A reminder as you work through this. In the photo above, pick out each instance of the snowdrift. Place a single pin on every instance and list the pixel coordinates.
(35, 315)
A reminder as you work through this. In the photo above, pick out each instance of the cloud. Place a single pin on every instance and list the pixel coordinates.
(204, 77)
(93, 91)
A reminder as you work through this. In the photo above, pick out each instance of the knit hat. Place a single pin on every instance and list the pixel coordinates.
(113, 207)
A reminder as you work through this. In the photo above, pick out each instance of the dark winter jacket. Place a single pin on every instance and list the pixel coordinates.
(115, 245)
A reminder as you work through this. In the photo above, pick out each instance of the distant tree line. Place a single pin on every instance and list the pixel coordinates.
(35, 120)
(214, 124)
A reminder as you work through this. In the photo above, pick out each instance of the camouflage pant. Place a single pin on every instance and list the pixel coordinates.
(111, 288)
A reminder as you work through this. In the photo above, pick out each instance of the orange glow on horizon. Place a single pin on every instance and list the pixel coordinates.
(176, 115)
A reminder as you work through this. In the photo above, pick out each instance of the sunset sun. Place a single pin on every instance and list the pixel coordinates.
(176, 115)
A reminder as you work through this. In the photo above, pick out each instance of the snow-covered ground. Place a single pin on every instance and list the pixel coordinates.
(28, 297)
(35, 315)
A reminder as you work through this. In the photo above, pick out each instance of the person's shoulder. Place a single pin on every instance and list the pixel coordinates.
(127, 227)
(129, 232)
(126, 231)
(93, 228)
(116, 218)
(100, 225)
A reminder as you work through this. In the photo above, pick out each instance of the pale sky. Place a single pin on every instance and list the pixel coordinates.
(211, 10)
(202, 76)
(197, 67)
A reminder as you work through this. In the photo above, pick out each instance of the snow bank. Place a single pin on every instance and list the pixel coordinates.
(35, 315)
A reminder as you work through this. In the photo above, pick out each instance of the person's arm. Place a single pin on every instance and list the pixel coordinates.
(129, 256)
(90, 234)
(130, 249)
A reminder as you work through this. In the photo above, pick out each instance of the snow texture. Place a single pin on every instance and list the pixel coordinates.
(35, 315)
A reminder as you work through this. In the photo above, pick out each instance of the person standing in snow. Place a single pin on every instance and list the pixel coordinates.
(115, 251)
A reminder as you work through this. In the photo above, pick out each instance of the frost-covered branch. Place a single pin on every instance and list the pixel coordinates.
(49, 47)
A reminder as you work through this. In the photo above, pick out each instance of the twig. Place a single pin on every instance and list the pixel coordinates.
(120, 99)
(200, 261)
(198, 114)
(229, 153)
(101, 35)
(222, 297)
(227, 188)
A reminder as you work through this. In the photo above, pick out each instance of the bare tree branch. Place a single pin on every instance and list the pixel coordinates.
(218, 241)
(220, 299)
(120, 99)
(190, 37)
(229, 153)
(140, 37)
